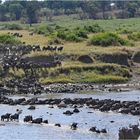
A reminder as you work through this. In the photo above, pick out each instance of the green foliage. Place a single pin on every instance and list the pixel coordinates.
(81, 33)
(83, 77)
(123, 31)
(34, 11)
(8, 39)
(107, 39)
(69, 36)
(95, 28)
(134, 36)
(44, 29)
(15, 10)
(32, 8)
(77, 34)
(98, 78)
(12, 27)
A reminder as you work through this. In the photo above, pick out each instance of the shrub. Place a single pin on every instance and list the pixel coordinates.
(81, 33)
(134, 36)
(8, 39)
(44, 29)
(69, 36)
(107, 39)
(93, 28)
(73, 37)
(125, 31)
(12, 27)
(61, 34)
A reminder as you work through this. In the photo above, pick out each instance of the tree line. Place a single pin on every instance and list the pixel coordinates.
(35, 11)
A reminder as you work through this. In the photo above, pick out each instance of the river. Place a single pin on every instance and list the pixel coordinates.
(86, 119)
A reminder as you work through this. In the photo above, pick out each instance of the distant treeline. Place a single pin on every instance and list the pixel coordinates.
(35, 11)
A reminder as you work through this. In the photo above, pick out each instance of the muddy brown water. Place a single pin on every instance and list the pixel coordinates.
(26, 131)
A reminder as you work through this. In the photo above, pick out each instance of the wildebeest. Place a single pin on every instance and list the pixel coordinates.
(28, 118)
(37, 121)
(31, 108)
(60, 48)
(58, 124)
(6, 116)
(45, 121)
(129, 133)
(74, 126)
(14, 117)
(52, 48)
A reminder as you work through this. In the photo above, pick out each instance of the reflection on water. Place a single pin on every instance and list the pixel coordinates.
(85, 120)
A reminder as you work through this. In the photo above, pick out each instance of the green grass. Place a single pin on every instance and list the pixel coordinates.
(108, 39)
(84, 77)
(35, 39)
(71, 21)
(134, 36)
(8, 39)
(131, 24)
(96, 73)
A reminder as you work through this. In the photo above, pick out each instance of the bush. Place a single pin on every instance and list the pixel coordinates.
(8, 39)
(69, 36)
(75, 35)
(44, 29)
(125, 31)
(12, 27)
(93, 28)
(107, 39)
(81, 33)
(134, 36)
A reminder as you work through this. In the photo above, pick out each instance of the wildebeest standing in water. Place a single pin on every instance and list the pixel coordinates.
(6, 116)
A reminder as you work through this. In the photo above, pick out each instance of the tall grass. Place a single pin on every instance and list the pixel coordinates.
(83, 77)
(134, 36)
(107, 39)
(8, 39)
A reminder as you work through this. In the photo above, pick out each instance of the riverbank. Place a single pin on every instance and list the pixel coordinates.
(28, 89)
(83, 88)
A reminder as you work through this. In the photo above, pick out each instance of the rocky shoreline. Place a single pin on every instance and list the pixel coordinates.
(82, 88)
(71, 88)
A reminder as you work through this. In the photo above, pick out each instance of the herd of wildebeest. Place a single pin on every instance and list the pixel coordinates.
(12, 56)
(74, 105)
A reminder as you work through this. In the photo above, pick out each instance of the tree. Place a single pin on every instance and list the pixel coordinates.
(16, 10)
(132, 9)
(48, 13)
(2, 12)
(90, 7)
(32, 9)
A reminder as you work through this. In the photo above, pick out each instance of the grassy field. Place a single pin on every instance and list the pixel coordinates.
(35, 39)
(88, 72)
(131, 24)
